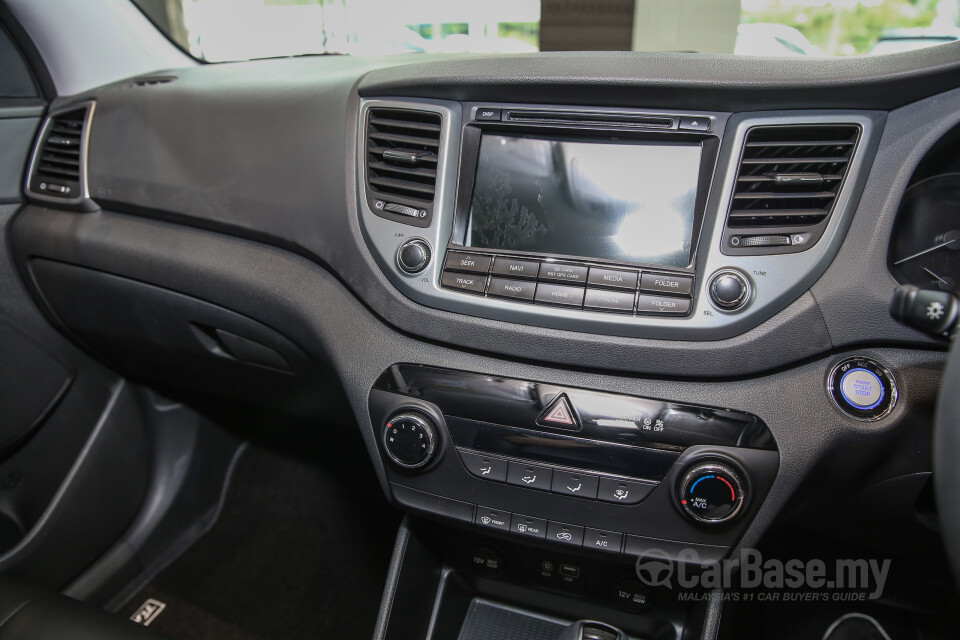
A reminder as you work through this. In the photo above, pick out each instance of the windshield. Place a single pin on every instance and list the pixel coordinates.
(226, 30)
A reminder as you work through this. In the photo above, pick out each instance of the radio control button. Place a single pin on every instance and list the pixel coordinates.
(618, 278)
(662, 306)
(623, 491)
(559, 272)
(486, 113)
(507, 288)
(694, 124)
(574, 483)
(532, 476)
(464, 281)
(660, 283)
(559, 294)
(515, 267)
(469, 262)
(607, 300)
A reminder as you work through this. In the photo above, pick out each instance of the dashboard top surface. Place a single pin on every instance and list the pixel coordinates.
(675, 80)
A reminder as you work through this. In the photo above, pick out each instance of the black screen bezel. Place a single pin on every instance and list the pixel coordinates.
(469, 159)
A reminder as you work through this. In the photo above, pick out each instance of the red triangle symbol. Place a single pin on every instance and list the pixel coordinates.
(560, 413)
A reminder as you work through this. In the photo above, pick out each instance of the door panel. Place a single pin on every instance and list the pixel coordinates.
(74, 455)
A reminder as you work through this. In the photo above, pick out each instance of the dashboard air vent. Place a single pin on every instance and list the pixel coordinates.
(403, 147)
(57, 171)
(789, 176)
(151, 81)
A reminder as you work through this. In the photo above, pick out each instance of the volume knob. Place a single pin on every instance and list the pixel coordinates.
(413, 256)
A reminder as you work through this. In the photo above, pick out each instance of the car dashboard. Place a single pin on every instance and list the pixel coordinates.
(678, 351)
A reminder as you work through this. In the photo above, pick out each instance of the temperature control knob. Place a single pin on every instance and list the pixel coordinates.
(410, 439)
(413, 256)
(711, 492)
(729, 289)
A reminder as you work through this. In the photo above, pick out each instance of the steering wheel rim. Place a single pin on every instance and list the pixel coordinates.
(946, 459)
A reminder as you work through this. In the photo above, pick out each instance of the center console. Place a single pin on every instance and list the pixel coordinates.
(628, 223)
(541, 501)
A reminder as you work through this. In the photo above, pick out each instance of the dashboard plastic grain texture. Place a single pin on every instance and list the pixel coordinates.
(854, 293)
(297, 297)
(792, 335)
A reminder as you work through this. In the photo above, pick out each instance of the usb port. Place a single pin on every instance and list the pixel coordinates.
(569, 571)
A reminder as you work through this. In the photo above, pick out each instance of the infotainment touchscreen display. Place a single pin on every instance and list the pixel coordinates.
(618, 200)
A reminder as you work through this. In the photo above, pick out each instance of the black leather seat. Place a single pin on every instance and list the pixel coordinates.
(27, 612)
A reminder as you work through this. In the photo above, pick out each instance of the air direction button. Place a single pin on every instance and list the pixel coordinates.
(623, 491)
(533, 476)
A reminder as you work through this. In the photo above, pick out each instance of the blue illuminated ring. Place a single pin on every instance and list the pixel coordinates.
(883, 392)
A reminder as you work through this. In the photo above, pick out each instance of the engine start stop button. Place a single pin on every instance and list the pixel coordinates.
(862, 388)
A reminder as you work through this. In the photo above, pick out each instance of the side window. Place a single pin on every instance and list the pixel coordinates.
(15, 78)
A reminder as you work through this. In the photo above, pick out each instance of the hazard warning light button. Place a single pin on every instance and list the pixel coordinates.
(559, 414)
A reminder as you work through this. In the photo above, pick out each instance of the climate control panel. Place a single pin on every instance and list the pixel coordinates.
(499, 453)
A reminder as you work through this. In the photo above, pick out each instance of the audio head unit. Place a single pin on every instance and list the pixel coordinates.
(587, 219)
(594, 214)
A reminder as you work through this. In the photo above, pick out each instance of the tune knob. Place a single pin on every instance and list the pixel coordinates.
(729, 289)
(410, 439)
(413, 256)
(711, 492)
